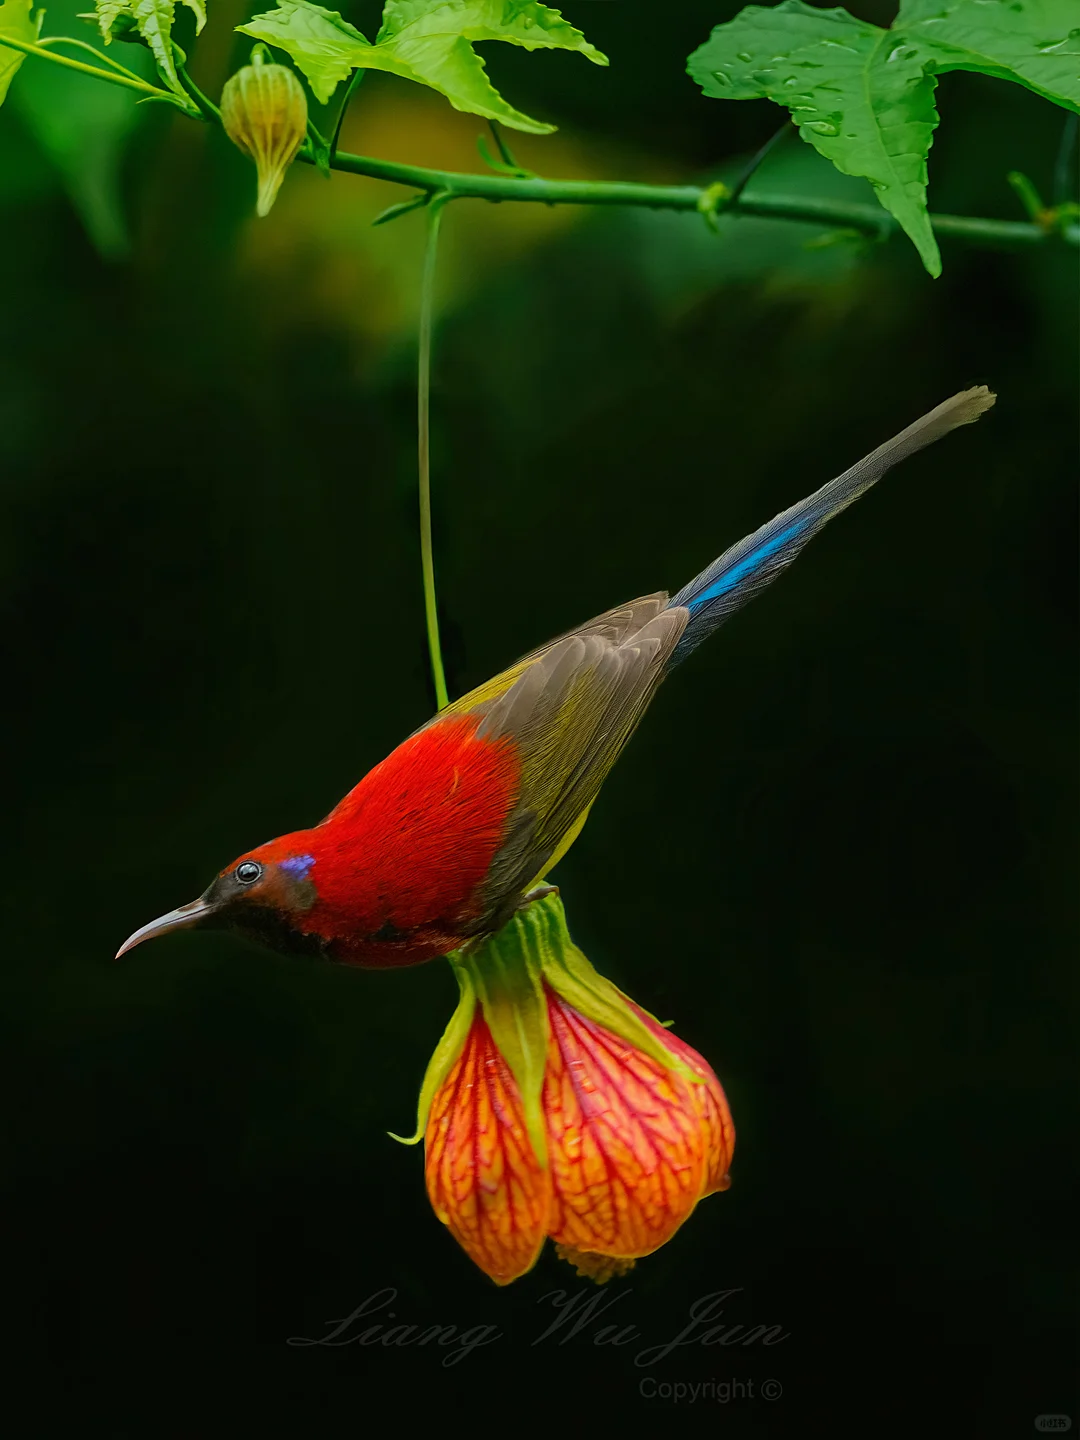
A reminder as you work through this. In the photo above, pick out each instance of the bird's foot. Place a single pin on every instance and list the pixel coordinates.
(538, 892)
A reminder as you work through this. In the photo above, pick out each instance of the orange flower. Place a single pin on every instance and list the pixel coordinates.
(556, 1107)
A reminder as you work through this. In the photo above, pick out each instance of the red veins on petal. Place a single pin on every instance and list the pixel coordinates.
(632, 1146)
(628, 1142)
(711, 1101)
(483, 1179)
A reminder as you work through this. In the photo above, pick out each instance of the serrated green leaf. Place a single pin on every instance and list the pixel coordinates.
(324, 46)
(154, 20)
(858, 94)
(108, 12)
(1035, 43)
(16, 21)
(427, 41)
(864, 97)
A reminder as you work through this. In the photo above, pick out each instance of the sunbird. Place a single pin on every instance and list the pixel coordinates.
(440, 843)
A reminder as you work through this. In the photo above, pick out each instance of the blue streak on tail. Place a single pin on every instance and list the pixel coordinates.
(745, 568)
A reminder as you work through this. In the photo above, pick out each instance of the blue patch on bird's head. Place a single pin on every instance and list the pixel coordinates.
(298, 866)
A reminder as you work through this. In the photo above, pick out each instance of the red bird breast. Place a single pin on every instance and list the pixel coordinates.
(399, 861)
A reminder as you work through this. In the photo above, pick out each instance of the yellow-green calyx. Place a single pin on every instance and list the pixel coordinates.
(264, 112)
(505, 975)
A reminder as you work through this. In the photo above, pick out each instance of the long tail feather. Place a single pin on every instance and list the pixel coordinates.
(745, 569)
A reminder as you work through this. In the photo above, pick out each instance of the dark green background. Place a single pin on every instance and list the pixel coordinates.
(839, 854)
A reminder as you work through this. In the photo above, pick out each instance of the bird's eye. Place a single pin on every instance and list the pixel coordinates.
(248, 872)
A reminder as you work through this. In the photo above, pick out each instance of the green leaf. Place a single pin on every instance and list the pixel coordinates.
(427, 41)
(323, 45)
(154, 20)
(864, 97)
(16, 21)
(108, 12)
(858, 96)
(1035, 43)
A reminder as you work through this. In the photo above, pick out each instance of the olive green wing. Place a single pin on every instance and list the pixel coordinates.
(569, 708)
(614, 626)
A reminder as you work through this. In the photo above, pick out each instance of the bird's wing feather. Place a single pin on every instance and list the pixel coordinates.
(569, 708)
(614, 625)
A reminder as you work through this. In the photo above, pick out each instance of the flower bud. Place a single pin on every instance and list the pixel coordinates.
(264, 112)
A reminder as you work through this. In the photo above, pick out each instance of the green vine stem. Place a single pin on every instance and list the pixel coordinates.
(867, 219)
(206, 106)
(114, 77)
(350, 91)
(423, 431)
(504, 149)
(90, 50)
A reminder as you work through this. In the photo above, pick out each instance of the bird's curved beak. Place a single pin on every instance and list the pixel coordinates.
(184, 918)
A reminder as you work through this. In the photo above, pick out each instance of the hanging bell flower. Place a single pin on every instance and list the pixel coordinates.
(556, 1107)
(264, 112)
